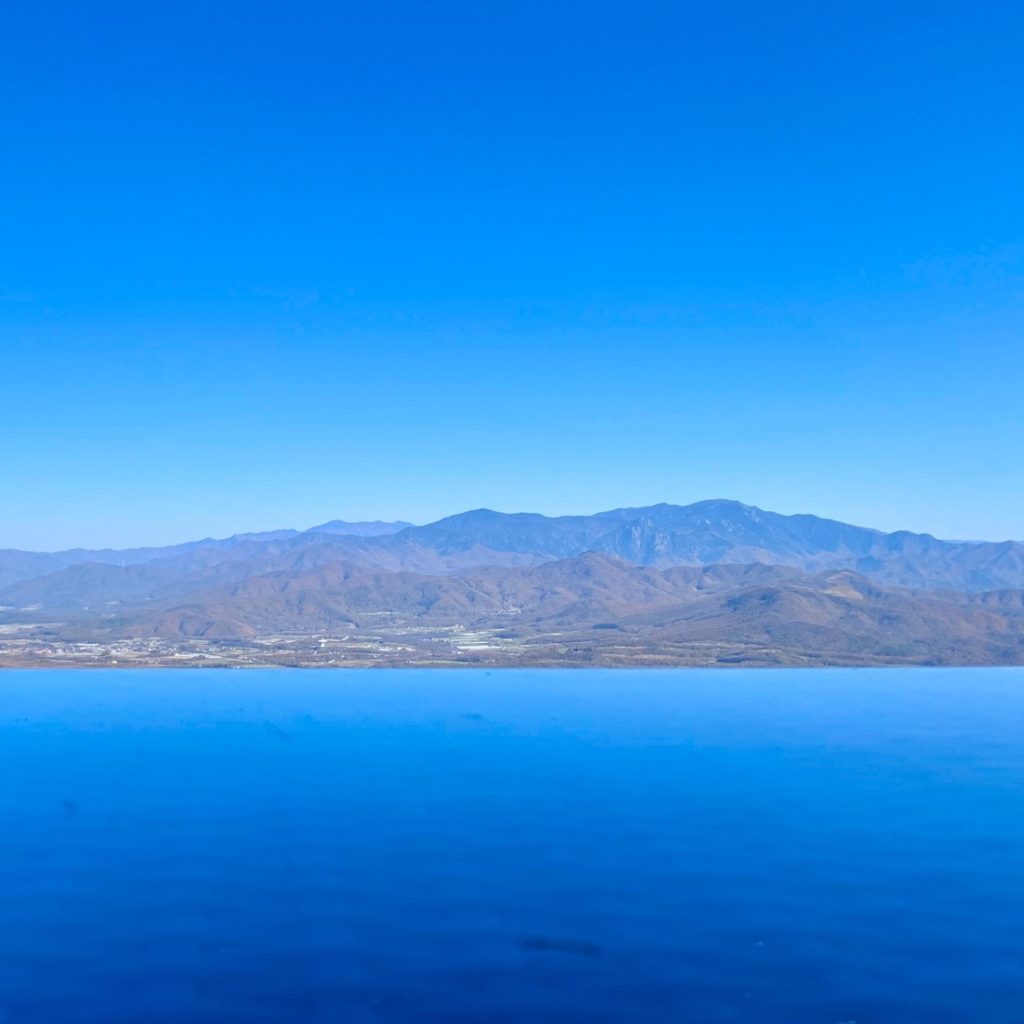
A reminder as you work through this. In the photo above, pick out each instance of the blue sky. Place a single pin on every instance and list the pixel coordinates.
(269, 264)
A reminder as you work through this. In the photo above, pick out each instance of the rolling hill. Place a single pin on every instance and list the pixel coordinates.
(712, 573)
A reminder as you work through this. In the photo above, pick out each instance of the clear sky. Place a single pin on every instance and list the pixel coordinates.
(264, 265)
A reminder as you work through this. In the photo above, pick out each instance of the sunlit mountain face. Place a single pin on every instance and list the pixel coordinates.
(709, 583)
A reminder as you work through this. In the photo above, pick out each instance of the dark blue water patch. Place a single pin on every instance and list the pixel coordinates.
(789, 847)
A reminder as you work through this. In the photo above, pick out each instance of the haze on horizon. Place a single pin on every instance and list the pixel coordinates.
(266, 267)
(380, 528)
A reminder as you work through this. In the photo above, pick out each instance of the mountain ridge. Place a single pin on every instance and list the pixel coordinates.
(661, 535)
(678, 579)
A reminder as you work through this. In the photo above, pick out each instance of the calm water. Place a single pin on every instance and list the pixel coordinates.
(763, 847)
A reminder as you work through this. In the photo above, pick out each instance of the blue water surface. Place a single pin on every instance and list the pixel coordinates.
(799, 847)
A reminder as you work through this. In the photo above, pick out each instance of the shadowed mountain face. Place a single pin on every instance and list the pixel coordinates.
(538, 537)
(374, 529)
(660, 535)
(716, 572)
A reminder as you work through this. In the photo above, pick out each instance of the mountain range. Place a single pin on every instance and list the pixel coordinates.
(712, 582)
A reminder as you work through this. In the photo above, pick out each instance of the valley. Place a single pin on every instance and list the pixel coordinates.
(716, 583)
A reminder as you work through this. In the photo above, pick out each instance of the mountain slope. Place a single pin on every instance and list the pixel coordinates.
(715, 573)
(771, 608)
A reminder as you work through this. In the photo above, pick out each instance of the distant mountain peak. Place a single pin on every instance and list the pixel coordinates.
(374, 528)
(663, 535)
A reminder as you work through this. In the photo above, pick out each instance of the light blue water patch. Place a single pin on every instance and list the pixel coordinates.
(775, 847)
